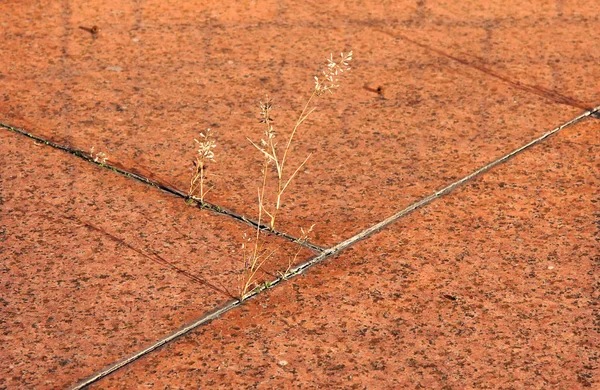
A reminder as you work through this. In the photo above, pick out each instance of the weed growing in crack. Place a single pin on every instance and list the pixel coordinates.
(205, 154)
(98, 157)
(328, 82)
(303, 239)
(257, 256)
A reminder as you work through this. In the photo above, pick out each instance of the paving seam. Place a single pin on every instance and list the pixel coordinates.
(173, 191)
(206, 318)
(329, 252)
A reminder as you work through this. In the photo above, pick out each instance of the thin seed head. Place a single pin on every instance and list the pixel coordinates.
(205, 146)
(329, 80)
(98, 157)
(265, 111)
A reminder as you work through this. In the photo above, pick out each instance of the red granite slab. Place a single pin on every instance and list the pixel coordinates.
(158, 73)
(95, 266)
(492, 286)
(548, 48)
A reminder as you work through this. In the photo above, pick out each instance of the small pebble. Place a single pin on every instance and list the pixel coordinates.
(283, 363)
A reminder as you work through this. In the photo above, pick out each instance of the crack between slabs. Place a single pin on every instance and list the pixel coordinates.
(173, 191)
(329, 252)
(206, 318)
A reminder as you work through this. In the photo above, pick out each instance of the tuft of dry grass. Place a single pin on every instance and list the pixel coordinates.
(254, 252)
(256, 257)
(205, 154)
(98, 157)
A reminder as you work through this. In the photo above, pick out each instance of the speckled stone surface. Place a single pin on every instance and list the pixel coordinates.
(549, 48)
(95, 266)
(492, 286)
(158, 72)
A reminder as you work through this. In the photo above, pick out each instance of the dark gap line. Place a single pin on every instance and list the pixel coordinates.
(173, 191)
(544, 92)
(430, 198)
(330, 252)
(182, 331)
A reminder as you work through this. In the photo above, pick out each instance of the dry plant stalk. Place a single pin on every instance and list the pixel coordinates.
(254, 259)
(300, 241)
(328, 82)
(205, 153)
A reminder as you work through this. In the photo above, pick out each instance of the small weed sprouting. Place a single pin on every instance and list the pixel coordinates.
(328, 82)
(256, 257)
(205, 154)
(99, 157)
(300, 241)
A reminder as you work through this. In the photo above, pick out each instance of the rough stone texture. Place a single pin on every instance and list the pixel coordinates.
(158, 73)
(493, 286)
(549, 48)
(457, 293)
(94, 266)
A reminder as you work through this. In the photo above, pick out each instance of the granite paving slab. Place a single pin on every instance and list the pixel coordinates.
(492, 286)
(95, 266)
(406, 121)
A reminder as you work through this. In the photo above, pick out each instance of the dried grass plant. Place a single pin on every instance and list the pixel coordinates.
(198, 188)
(254, 251)
(256, 257)
(98, 157)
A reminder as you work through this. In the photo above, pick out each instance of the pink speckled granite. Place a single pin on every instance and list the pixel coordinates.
(157, 73)
(492, 286)
(84, 265)
(550, 46)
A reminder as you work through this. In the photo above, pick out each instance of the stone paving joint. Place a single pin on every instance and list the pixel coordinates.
(332, 251)
(173, 191)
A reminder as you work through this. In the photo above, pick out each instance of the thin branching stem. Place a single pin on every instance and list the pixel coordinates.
(301, 119)
(254, 264)
(292, 177)
(327, 82)
(202, 181)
